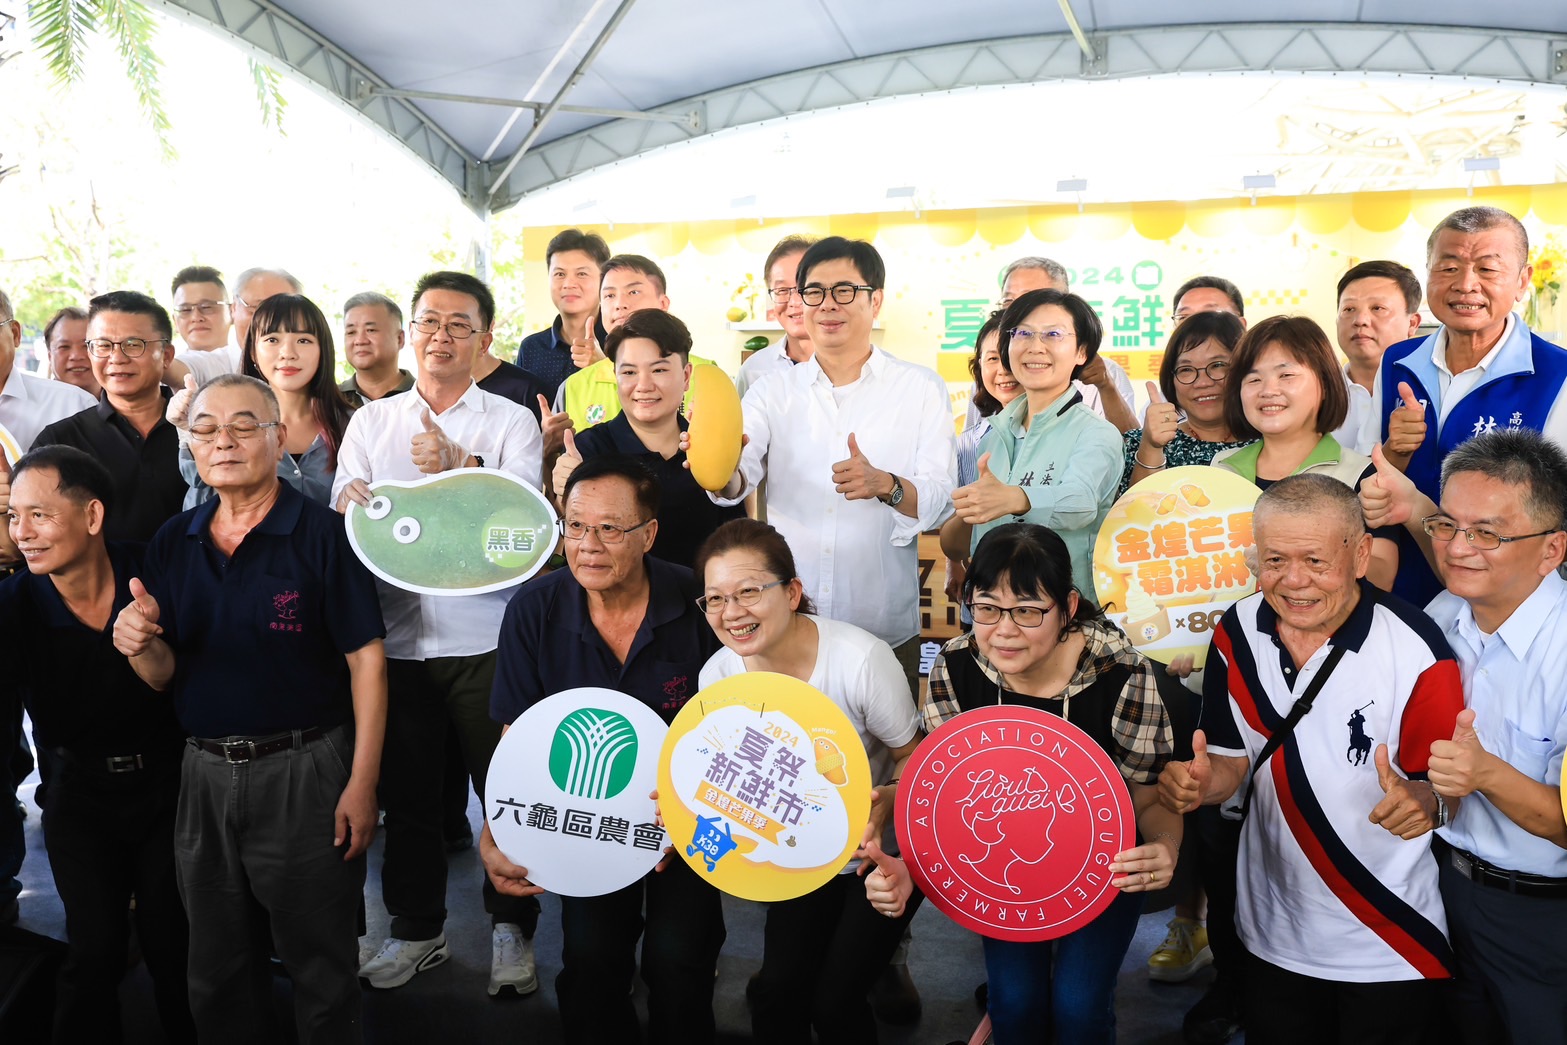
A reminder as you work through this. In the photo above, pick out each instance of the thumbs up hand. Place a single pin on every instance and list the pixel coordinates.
(988, 498)
(178, 411)
(1402, 810)
(889, 886)
(1460, 766)
(857, 479)
(1181, 784)
(432, 451)
(551, 426)
(585, 350)
(566, 463)
(1406, 426)
(1390, 498)
(1159, 423)
(137, 624)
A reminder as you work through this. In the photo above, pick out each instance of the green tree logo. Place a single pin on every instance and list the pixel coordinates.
(593, 754)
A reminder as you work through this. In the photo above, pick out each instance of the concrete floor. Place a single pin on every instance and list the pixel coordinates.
(450, 1003)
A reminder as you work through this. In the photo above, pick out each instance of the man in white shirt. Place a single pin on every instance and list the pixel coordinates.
(858, 452)
(440, 651)
(1378, 307)
(253, 286)
(780, 270)
(28, 402)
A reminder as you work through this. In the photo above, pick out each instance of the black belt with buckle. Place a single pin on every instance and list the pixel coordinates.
(123, 763)
(1477, 870)
(239, 750)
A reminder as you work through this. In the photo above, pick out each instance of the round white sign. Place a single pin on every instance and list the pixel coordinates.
(567, 794)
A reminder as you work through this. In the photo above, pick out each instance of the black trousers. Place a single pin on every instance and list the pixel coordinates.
(1512, 967)
(16, 761)
(110, 837)
(1218, 848)
(680, 920)
(422, 698)
(1287, 1008)
(821, 954)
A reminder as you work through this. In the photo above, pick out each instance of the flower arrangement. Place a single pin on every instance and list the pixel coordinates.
(1550, 262)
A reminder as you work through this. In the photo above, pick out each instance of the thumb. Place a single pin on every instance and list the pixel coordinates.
(571, 444)
(545, 409)
(1407, 394)
(1155, 394)
(887, 865)
(1385, 774)
(1199, 750)
(144, 602)
(1464, 728)
(984, 466)
(854, 447)
(190, 382)
(1381, 462)
(428, 421)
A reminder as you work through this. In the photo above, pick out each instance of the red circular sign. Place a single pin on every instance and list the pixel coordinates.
(1009, 817)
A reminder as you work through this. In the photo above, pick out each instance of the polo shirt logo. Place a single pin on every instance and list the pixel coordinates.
(1359, 742)
(287, 606)
(677, 690)
(595, 413)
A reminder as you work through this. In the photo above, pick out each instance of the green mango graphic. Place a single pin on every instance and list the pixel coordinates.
(462, 532)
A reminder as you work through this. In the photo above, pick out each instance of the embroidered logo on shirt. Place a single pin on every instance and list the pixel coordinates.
(1359, 741)
(287, 606)
(677, 689)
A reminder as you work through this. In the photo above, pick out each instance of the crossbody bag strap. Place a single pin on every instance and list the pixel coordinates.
(1297, 712)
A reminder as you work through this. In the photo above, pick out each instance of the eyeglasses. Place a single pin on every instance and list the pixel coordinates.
(1187, 375)
(842, 293)
(1022, 616)
(131, 346)
(748, 596)
(206, 431)
(780, 295)
(456, 329)
(206, 308)
(1441, 529)
(1023, 337)
(609, 533)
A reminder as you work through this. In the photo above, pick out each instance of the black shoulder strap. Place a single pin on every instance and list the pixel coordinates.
(1297, 712)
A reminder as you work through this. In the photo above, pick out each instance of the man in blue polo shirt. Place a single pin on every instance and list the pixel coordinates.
(621, 619)
(255, 615)
(575, 260)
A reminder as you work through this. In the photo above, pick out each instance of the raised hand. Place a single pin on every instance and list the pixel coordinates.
(889, 887)
(1457, 766)
(988, 497)
(432, 450)
(857, 479)
(1388, 498)
(1182, 784)
(1402, 811)
(585, 350)
(566, 463)
(552, 426)
(177, 413)
(137, 625)
(1406, 425)
(1159, 423)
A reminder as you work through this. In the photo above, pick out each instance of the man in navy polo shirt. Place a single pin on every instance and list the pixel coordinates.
(258, 619)
(620, 619)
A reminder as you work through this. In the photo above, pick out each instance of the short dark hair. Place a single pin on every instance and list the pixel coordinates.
(1470, 220)
(1408, 282)
(297, 314)
(1193, 332)
(1308, 345)
(662, 328)
(68, 312)
(644, 485)
(1034, 562)
(984, 402)
(636, 263)
(366, 298)
(1085, 322)
(782, 249)
(1219, 283)
(1519, 457)
(865, 257)
(135, 303)
(752, 536)
(461, 283)
(82, 477)
(196, 274)
(590, 243)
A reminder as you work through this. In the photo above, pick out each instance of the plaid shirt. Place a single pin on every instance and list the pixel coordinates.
(1141, 741)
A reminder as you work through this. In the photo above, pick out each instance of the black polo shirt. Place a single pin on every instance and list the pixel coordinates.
(148, 487)
(81, 692)
(259, 638)
(356, 398)
(548, 644)
(686, 514)
(547, 355)
(523, 387)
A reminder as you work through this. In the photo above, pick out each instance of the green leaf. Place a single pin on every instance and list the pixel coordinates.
(62, 28)
(134, 32)
(269, 95)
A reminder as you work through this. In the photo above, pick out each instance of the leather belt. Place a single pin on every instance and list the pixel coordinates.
(1480, 872)
(239, 750)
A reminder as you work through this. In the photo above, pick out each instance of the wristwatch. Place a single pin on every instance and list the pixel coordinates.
(478, 462)
(895, 498)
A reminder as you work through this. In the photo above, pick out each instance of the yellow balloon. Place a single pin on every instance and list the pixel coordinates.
(1382, 211)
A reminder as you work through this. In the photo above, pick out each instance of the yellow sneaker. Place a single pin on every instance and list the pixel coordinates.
(1183, 954)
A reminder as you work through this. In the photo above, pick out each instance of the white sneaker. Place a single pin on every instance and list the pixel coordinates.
(398, 961)
(511, 961)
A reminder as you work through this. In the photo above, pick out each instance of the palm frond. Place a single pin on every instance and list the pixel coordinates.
(269, 95)
(62, 28)
(134, 32)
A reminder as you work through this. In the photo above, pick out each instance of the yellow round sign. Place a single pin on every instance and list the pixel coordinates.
(1171, 558)
(764, 786)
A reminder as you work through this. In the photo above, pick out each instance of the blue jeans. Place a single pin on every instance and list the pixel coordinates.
(1061, 991)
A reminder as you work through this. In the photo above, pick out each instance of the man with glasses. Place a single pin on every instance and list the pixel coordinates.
(440, 650)
(201, 308)
(784, 305)
(1378, 307)
(130, 342)
(1207, 294)
(253, 286)
(618, 618)
(1498, 544)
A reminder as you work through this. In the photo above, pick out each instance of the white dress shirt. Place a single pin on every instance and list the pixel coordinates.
(376, 446)
(770, 360)
(30, 403)
(1513, 682)
(859, 560)
(207, 365)
(1352, 433)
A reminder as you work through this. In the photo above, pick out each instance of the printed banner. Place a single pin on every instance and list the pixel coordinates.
(764, 786)
(568, 791)
(462, 532)
(1171, 558)
(1009, 818)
